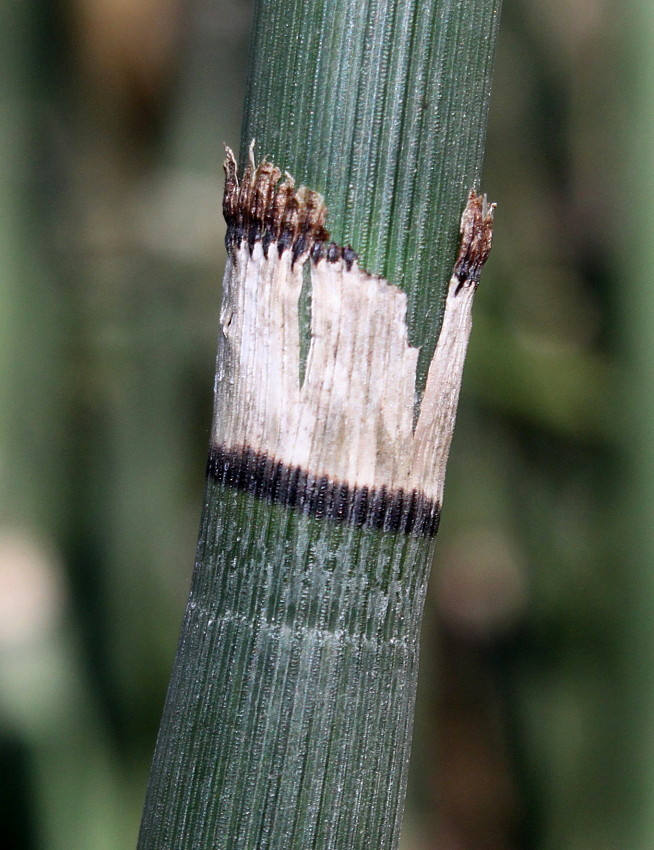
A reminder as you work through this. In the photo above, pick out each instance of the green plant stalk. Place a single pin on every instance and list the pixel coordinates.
(288, 719)
(57, 775)
(634, 532)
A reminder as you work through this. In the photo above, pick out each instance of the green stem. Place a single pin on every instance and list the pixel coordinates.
(634, 531)
(288, 719)
(288, 715)
(381, 106)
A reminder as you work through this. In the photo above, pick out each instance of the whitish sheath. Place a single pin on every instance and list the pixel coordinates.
(339, 444)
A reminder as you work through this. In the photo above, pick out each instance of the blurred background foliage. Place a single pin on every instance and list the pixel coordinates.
(535, 710)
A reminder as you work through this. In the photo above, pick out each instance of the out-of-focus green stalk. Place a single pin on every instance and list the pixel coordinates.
(635, 534)
(288, 719)
(30, 306)
(59, 785)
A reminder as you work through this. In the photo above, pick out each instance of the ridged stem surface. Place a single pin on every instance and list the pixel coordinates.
(288, 719)
(381, 106)
(291, 700)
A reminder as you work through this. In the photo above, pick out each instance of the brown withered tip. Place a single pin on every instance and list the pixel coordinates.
(259, 208)
(476, 238)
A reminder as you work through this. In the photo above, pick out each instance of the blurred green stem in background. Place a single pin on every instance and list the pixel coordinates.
(635, 522)
(289, 715)
(59, 786)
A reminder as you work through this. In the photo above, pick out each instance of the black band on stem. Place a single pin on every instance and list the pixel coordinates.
(379, 508)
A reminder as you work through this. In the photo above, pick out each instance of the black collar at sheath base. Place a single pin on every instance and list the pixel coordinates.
(378, 508)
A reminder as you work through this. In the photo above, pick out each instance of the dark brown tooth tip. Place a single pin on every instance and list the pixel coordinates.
(263, 187)
(476, 238)
(230, 197)
(260, 208)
